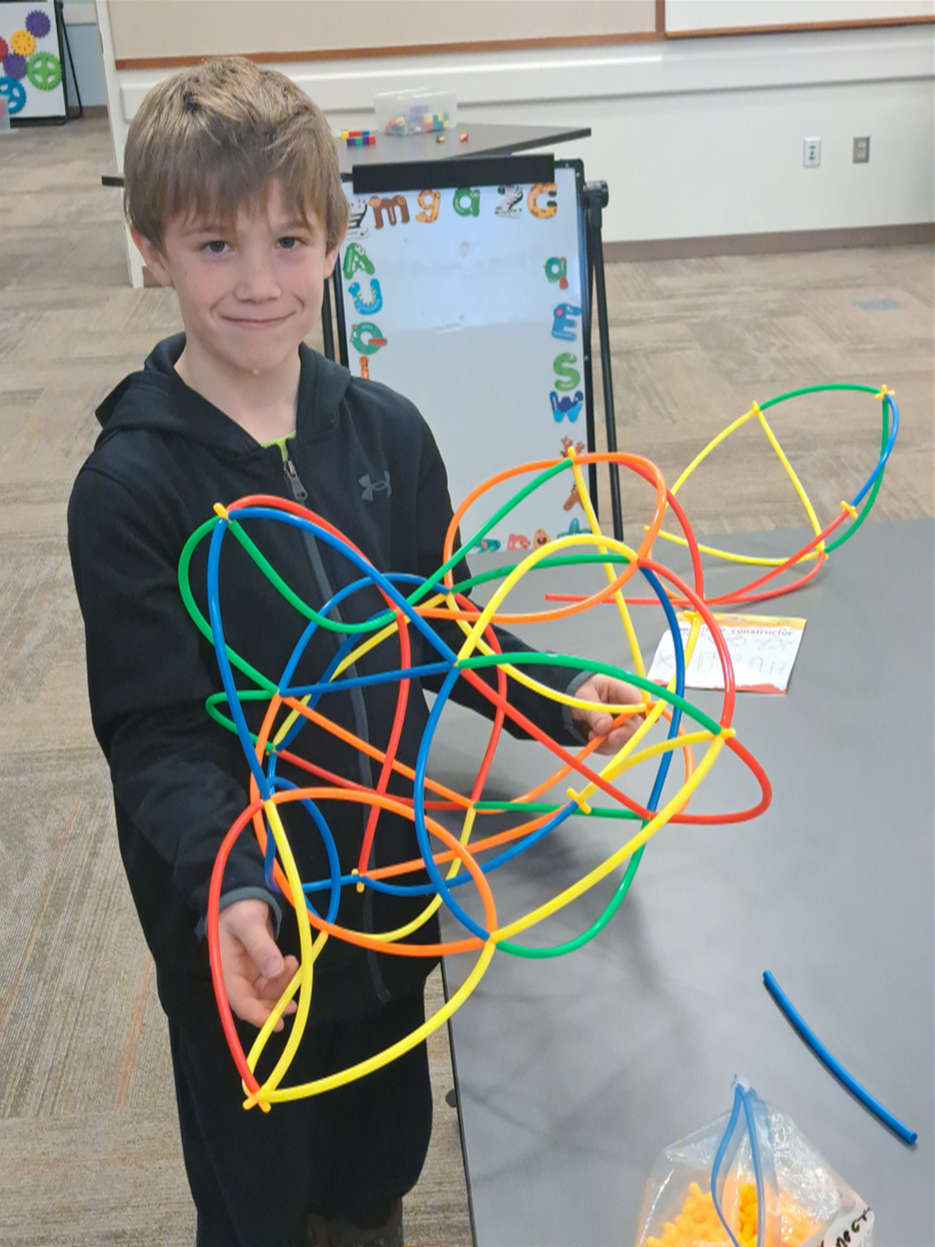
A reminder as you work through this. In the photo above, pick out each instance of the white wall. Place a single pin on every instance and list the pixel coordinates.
(731, 14)
(695, 137)
(176, 28)
(728, 163)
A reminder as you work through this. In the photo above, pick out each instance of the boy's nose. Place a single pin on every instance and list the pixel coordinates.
(256, 281)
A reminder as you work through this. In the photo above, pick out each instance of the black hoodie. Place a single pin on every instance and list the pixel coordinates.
(369, 465)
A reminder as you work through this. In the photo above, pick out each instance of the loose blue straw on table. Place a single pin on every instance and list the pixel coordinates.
(907, 1135)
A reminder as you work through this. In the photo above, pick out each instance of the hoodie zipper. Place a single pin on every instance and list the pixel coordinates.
(300, 494)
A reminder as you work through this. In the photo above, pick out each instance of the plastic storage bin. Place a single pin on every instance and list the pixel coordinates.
(415, 112)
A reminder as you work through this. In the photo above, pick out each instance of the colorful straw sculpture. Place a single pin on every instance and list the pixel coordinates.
(577, 785)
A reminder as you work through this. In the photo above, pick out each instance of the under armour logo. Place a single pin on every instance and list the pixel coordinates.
(370, 487)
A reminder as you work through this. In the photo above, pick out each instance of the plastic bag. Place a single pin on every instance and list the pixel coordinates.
(750, 1179)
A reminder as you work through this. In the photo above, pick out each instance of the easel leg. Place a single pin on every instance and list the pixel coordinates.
(596, 196)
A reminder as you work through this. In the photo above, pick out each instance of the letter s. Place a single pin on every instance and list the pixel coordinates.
(566, 376)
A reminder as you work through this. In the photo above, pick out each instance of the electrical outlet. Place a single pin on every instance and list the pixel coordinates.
(812, 155)
(861, 150)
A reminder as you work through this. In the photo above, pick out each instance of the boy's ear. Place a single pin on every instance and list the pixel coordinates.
(152, 257)
(331, 256)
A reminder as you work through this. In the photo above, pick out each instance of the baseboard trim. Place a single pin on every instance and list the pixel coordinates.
(762, 244)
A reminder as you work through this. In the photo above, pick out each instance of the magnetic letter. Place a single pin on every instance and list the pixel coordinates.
(562, 324)
(555, 270)
(562, 407)
(376, 297)
(567, 377)
(428, 202)
(472, 208)
(389, 206)
(532, 199)
(367, 339)
(357, 210)
(355, 257)
(510, 197)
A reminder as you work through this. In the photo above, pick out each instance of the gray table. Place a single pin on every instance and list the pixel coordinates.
(572, 1074)
(484, 139)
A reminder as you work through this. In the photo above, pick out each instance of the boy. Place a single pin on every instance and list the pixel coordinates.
(233, 197)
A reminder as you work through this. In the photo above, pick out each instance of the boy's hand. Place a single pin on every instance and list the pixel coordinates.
(603, 688)
(255, 972)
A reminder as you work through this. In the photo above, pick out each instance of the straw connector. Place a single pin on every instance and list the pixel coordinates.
(579, 801)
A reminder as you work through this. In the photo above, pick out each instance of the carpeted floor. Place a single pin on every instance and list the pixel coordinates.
(89, 1153)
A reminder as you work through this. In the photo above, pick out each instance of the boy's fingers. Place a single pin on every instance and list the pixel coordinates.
(615, 739)
(261, 948)
(255, 1008)
(250, 1011)
(278, 982)
(271, 988)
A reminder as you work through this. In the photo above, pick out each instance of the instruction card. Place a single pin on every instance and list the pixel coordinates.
(762, 649)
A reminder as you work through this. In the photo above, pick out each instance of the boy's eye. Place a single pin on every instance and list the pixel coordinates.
(215, 246)
(288, 243)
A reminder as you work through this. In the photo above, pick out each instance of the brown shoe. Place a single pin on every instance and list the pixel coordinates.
(318, 1234)
(389, 1234)
(340, 1233)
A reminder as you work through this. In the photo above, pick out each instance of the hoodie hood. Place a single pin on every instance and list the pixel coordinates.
(157, 399)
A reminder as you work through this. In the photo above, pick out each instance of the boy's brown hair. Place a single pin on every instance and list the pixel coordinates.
(210, 140)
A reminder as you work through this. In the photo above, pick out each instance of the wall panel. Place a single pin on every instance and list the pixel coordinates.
(176, 29)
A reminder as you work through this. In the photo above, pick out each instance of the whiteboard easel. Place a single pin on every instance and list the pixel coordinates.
(473, 301)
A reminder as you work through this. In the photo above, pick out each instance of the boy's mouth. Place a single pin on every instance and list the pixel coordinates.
(256, 322)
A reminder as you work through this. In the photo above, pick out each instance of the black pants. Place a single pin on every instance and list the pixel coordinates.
(352, 1152)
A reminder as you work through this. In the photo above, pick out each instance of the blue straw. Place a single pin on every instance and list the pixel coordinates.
(907, 1135)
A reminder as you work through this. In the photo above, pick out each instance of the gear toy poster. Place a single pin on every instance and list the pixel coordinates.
(31, 64)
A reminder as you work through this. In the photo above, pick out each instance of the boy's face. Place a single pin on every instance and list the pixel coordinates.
(249, 293)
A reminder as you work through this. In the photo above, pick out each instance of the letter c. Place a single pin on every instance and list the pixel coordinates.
(532, 200)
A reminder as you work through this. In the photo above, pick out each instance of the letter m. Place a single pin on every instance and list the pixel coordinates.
(389, 206)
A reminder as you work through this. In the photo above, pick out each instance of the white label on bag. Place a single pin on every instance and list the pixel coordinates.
(850, 1230)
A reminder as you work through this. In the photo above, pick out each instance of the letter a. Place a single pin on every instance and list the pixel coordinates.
(355, 257)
